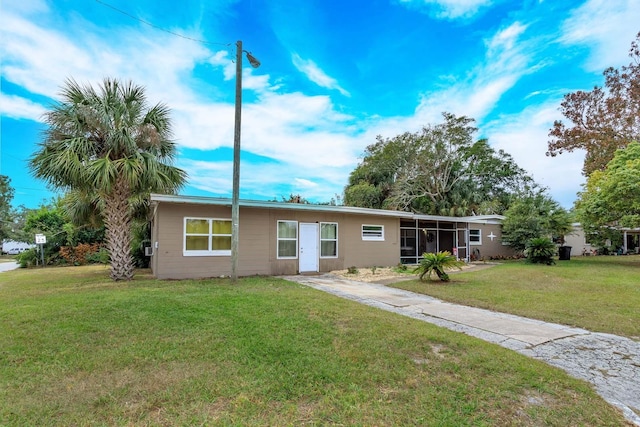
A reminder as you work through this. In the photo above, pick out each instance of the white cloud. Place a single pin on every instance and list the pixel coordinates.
(20, 108)
(268, 181)
(449, 9)
(316, 75)
(525, 136)
(305, 183)
(607, 26)
(507, 59)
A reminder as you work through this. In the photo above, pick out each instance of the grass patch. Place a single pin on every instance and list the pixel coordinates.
(601, 294)
(79, 349)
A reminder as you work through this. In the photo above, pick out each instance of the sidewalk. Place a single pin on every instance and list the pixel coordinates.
(609, 362)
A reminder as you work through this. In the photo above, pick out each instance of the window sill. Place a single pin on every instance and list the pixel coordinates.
(206, 253)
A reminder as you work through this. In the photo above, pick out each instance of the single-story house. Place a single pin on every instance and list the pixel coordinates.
(578, 241)
(631, 240)
(580, 244)
(191, 237)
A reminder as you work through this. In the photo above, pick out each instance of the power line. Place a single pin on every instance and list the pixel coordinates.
(160, 28)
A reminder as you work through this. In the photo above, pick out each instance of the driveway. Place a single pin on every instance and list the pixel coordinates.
(609, 362)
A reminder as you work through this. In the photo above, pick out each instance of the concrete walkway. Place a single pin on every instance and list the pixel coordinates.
(611, 363)
(8, 266)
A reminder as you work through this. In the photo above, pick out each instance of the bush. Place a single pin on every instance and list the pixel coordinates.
(541, 251)
(401, 268)
(79, 255)
(437, 263)
(100, 257)
(28, 258)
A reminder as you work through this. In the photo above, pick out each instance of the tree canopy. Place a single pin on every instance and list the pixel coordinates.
(109, 148)
(532, 216)
(602, 120)
(612, 197)
(6, 196)
(439, 170)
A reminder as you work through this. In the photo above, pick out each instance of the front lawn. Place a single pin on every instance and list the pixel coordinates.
(79, 349)
(601, 294)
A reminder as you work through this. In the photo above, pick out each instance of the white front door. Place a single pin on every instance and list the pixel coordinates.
(308, 248)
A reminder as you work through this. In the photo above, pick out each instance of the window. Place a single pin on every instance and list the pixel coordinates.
(207, 237)
(287, 239)
(373, 232)
(475, 237)
(328, 240)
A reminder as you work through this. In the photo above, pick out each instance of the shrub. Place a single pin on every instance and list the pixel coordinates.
(401, 268)
(100, 257)
(27, 258)
(78, 255)
(541, 250)
(352, 270)
(437, 263)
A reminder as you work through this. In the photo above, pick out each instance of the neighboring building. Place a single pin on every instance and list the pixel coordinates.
(14, 248)
(580, 245)
(578, 241)
(191, 237)
(630, 240)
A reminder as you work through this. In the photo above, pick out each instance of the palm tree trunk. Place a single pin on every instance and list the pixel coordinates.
(118, 220)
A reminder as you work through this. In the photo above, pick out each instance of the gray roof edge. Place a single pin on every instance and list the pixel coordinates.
(485, 219)
(222, 201)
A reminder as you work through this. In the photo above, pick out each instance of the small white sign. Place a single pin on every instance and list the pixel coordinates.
(41, 239)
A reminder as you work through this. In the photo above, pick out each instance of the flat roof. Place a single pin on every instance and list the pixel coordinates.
(223, 201)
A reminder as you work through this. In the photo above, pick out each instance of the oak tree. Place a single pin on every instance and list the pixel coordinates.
(602, 120)
(440, 170)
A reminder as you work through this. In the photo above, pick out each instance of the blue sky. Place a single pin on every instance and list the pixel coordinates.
(334, 75)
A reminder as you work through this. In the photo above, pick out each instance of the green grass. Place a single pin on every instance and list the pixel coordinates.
(78, 349)
(601, 294)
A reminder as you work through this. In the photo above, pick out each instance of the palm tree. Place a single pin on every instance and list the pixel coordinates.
(437, 263)
(109, 144)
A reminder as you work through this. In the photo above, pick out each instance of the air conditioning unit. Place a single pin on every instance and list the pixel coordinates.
(148, 251)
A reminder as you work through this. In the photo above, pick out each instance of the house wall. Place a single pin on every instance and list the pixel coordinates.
(490, 247)
(257, 242)
(578, 242)
(361, 253)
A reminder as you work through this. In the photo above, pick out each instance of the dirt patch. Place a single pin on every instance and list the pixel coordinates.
(375, 275)
(391, 274)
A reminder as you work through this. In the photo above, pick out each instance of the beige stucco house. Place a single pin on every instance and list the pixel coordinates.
(191, 237)
(580, 244)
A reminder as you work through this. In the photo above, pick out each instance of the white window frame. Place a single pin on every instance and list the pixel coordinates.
(210, 235)
(329, 240)
(479, 242)
(373, 235)
(278, 239)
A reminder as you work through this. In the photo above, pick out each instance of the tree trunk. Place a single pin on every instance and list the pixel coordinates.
(118, 220)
